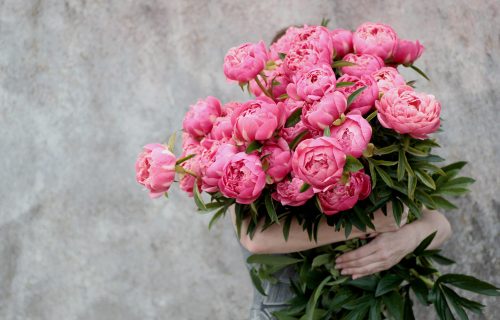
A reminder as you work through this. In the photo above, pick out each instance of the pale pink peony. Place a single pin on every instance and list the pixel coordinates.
(283, 44)
(288, 193)
(407, 52)
(222, 129)
(155, 169)
(375, 38)
(342, 42)
(312, 85)
(318, 37)
(341, 197)
(388, 78)
(407, 111)
(365, 64)
(189, 143)
(243, 178)
(354, 134)
(188, 181)
(321, 114)
(365, 100)
(277, 156)
(301, 57)
(229, 107)
(257, 120)
(319, 162)
(213, 172)
(245, 62)
(200, 118)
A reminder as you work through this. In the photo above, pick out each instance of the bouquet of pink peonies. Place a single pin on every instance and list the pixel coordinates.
(334, 133)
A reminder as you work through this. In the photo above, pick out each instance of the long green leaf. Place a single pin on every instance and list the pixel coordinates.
(420, 72)
(342, 63)
(311, 305)
(354, 95)
(272, 260)
(294, 118)
(388, 283)
(394, 303)
(424, 244)
(197, 198)
(470, 283)
(425, 179)
(384, 175)
(257, 282)
(271, 211)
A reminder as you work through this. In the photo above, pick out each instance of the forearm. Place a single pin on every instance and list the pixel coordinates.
(431, 221)
(271, 240)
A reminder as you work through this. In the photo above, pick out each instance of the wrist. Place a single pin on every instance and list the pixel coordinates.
(413, 234)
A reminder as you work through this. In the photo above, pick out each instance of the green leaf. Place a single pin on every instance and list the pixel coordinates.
(441, 306)
(171, 142)
(416, 152)
(412, 185)
(450, 191)
(454, 166)
(297, 139)
(311, 305)
(397, 210)
(411, 83)
(272, 260)
(254, 145)
(282, 55)
(371, 116)
(460, 182)
(441, 259)
(420, 72)
(375, 310)
(271, 211)
(408, 309)
(283, 96)
(400, 173)
(386, 150)
(385, 176)
(407, 164)
(373, 174)
(197, 197)
(420, 290)
(216, 216)
(186, 158)
(321, 260)
(352, 164)
(257, 282)
(304, 187)
(342, 63)
(443, 203)
(327, 132)
(358, 303)
(388, 283)
(294, 118)
(425, 179)
(414, 209)
(354, 95)
(425, 198)
(424, 244)
(368, 283)
(325, 22)
(238, 210)
(451, 297)
(286, 226)
(394, 303)
(385, 163)
(357, 314)
(344, 84)
(473, 306)
(470, 283)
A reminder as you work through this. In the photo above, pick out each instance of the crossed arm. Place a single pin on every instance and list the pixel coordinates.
(390, 245)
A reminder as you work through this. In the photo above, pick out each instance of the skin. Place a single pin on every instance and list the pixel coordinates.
(390, 244)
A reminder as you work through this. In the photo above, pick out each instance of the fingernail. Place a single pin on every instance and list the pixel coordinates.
(338, 266)
(354, 277)
(338, 260)
(343, 272)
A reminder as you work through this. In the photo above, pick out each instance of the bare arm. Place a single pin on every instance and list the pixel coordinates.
(271, 240)
(387, 249)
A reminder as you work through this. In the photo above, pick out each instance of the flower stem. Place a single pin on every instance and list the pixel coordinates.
(263, 88)
(427, 281)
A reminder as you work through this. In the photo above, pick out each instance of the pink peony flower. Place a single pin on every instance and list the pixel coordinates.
(342, 42)
(275, 83)
(229, 107)
(288, 193)
(388, 78)
(277, 155)
(289, 134)
(187, 181)
(354, 134)
(407, 52)
(155, 169)
(310, 86)
(319, 162)
(190, 144)
(283, 44)
(243, 178)
(375, 38)
(406, 111)
(318, 37)
(257, 120)
(301, 57)
(200, 118)
(222, 129)
(245, 62)
(213, 172)
(365, 64)
(321, 114)
(341, 197)
(365, 100)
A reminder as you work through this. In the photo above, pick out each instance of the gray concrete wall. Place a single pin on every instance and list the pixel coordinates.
(84, 84)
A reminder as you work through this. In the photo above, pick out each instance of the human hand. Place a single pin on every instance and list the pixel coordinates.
(387, 223)
(383, 252)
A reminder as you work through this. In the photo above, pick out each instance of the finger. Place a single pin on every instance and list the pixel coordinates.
(357, 276)
(365, 270)
(363, 251)
(363, 261)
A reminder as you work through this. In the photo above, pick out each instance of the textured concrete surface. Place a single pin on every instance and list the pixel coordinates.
(84, 84)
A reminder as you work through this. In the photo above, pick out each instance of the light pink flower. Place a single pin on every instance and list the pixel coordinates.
(229, 107)
(284, 43)
(375, 38)
(321, 114)
(200, 118)
(319, 162)
(342, 42)
(341, 197)
(301, 57)
(388, 78)
(187, 181)
(318, 37)
(354, 134)
(190, 144)
(155, 169)
(245, 62)
(276, 82)
(406, 111)
(288, 193)
(243, 178)
(257, 120)
(312, 85)
(289, 134)
(222, 129)
(277, 156)
(213, 172)
(407, 52)
(365, 100)
(365, 64)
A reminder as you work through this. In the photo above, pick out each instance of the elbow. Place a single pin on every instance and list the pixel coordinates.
(447, 231)
(254, 246)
